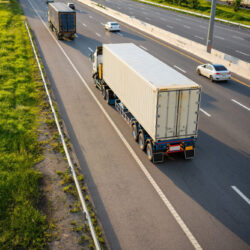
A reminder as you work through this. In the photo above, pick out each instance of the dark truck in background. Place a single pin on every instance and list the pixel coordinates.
(62, 20)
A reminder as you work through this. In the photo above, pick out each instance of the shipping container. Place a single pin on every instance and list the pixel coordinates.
(62, 20)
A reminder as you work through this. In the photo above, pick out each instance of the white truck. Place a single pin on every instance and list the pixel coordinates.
(160, 104)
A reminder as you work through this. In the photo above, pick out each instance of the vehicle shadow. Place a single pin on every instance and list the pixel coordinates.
(207, 179)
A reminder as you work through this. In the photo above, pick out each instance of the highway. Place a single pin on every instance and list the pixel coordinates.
(209, 194)
(231, 40)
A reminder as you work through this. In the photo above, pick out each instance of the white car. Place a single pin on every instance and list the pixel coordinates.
(215, 72)
(112, 26)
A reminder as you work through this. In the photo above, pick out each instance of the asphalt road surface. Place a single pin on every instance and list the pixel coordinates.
(228, 39)
(133, 197)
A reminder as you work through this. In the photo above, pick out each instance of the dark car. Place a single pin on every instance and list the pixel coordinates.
(71, 5)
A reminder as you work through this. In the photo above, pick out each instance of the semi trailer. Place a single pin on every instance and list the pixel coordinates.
(62, 20)
(160, 104)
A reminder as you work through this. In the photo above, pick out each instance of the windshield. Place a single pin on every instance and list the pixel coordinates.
(219, 68)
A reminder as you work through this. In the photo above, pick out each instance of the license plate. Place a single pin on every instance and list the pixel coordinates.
(189, 148)
(174, 148)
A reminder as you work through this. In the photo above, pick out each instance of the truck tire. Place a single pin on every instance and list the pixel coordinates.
(141, 141)
(149, 151)
(108, 95)
(135, 132)
(104, 93)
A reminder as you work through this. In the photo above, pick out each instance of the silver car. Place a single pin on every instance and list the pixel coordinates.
(112, 26)
(215, 72)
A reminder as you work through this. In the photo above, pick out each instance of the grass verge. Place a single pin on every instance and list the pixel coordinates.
(22, 225)
(225, 12)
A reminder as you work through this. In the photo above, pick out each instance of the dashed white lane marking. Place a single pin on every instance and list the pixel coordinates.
(103, 24)
(182, 70)
(84, 24)
(144, 12)
(206, 113)
(118, 8)
(241, 194)
(163, 19)
(76, 35)
(177, 19)
(119, 33)
(188, 27)
(90, 17)
(243, 106)
(98, 34)
(199, 37)
(143, 47)
(245, 54)
(238, 38)
(203, 27)
(169, 26)
(219, 37)
(147, 18)
(167, 203)
(90, 49)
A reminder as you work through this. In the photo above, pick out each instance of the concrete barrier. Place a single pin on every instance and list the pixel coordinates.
(234, 64)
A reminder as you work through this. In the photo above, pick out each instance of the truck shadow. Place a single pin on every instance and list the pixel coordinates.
(207, 180)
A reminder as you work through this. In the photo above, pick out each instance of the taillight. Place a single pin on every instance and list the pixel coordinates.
(217, 73)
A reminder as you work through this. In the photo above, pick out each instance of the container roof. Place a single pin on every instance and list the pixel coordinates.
(62, 7)
(154, 71)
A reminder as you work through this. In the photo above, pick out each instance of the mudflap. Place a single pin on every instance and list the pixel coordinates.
(158, 157)
(189, 154)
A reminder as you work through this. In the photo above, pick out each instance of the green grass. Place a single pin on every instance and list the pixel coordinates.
(222, 11)
(22, 225)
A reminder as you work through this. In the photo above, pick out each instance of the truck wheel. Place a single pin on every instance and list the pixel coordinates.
(107, 94)
(149, 151)
(142, 141)
(104, 93)
(135, 132)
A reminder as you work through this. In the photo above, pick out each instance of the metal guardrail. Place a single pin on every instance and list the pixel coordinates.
(83, 203)
(194, 13)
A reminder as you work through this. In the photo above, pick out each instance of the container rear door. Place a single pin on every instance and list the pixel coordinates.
(67, 22)
(177, 113)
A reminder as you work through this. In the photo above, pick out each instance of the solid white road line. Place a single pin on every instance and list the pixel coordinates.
(245, 54)
(90, 49)
(170, 27)
(84, 24)
(206, 113)
(243, 106)
(182, 70)
(98, 34)
(167, 203)
(199, 37)
(219, 37)
(188, 27)
(143, 47)
(238, 37)
(241, 194)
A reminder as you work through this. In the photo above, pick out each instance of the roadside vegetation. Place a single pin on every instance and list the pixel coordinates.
(22, 225)
(231, 13)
